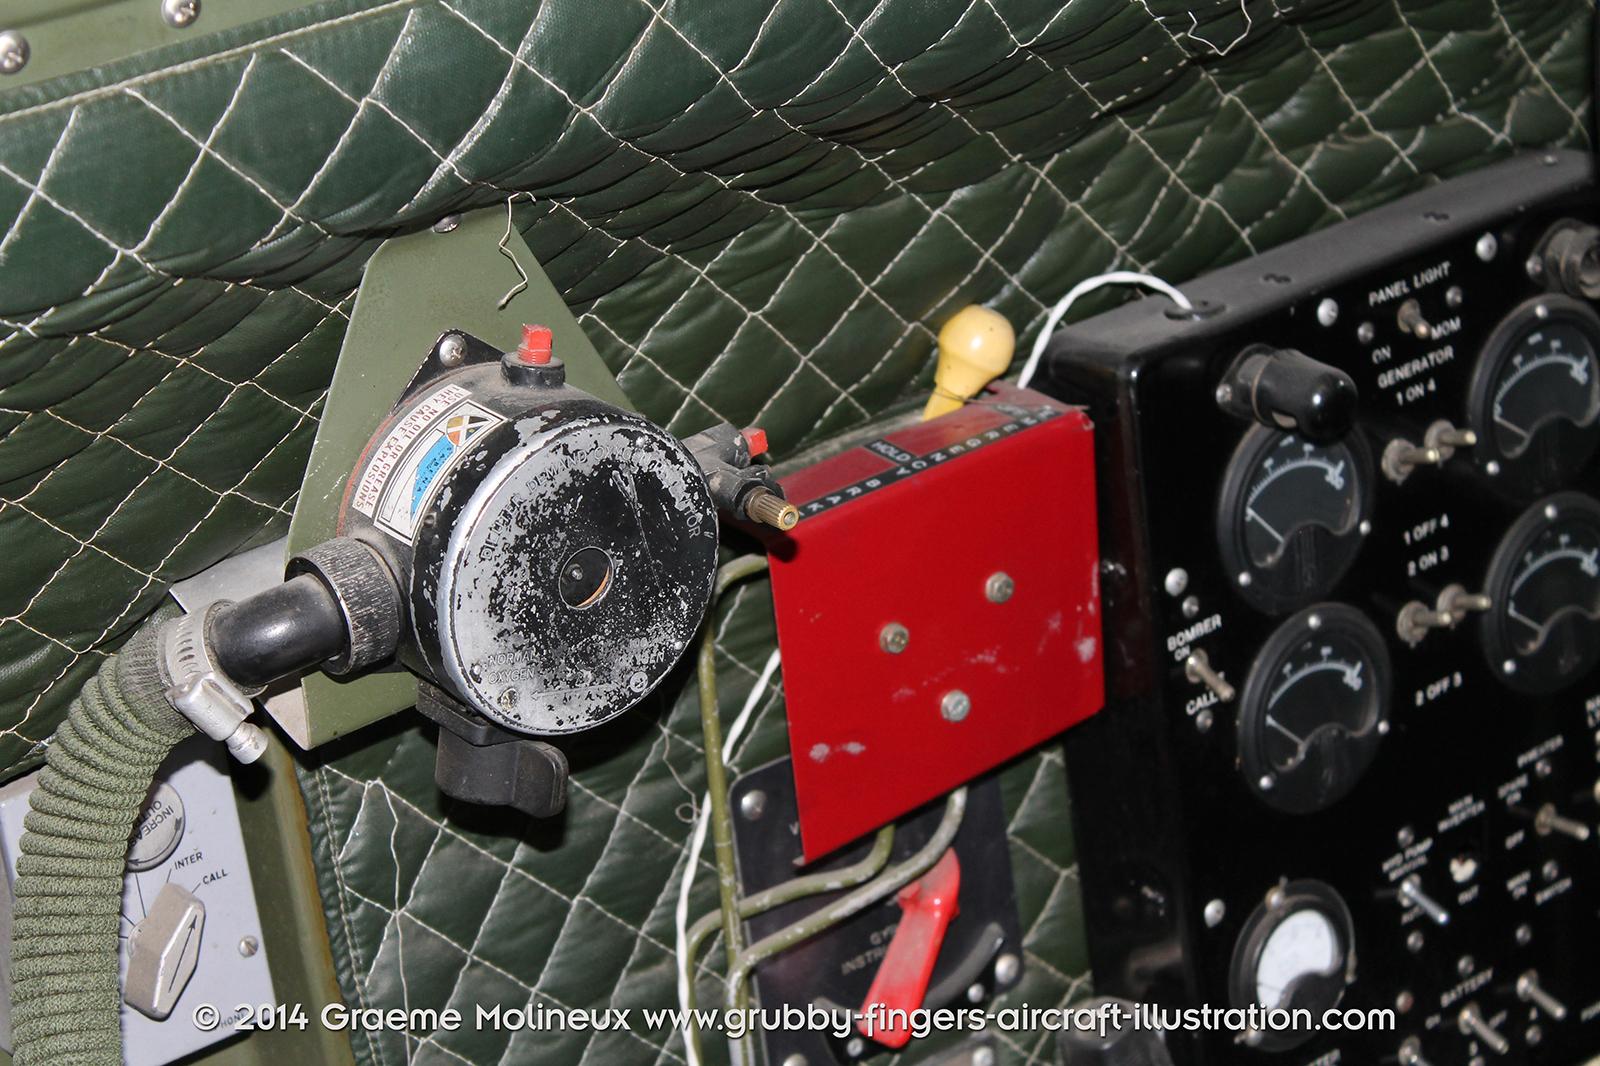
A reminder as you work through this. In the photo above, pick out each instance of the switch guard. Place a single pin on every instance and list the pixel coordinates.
(836, 968)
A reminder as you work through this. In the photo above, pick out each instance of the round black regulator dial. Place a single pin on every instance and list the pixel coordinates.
(1314, 707)
(1292, 516)
(1535, 397)
(1296, 951)
(1542, 630)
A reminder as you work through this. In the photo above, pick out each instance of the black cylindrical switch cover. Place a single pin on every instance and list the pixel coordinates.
(1286, 389)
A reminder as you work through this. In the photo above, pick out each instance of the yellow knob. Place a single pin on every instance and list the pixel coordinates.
(975, 347)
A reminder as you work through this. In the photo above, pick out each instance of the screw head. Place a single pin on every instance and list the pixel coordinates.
(894, 638)
(1487, 247)
(1328, 312)
(1406, 836)
(1203, 720)
(1453, 296)
(1465, 966)
(452, 350)
(14, 52)
(1215, 911)
(1365, 527)
(1524, 934)
(179, 13)
(855, 1047)
(249, 946)
(1404, 1001)
(638, 682)
(796, 1059)
(999, 587)
(1365, 333)
(1177, 580)
(1414, 941)
(508, 698)
(1244, 579)
(955, 706)
(1191, 606)
(1492, 467)
(1534, 266)
(447, 223)
(983, 1056)
(1007, 968)
(975, 993)
(1533, 1036)
(1550, 870)
(753, 804)
(1266, 782)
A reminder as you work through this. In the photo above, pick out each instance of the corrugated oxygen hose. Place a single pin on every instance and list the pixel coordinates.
(66, 999)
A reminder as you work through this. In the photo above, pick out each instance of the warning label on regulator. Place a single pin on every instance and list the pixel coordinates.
(421, 448)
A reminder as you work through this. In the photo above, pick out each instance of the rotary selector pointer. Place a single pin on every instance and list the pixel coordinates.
(1285, 389)
(1528, 991)
(1471, 1023)
(1411, 892)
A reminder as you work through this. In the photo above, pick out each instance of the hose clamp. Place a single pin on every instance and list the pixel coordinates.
(201, 692)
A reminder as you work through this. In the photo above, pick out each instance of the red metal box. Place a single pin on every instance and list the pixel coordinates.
(938, 608)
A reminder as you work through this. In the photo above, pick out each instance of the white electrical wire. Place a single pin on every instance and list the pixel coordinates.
(1116, 277)
(697, 841)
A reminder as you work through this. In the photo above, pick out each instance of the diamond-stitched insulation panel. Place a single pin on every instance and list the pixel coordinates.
(438, 905)
(762, 212)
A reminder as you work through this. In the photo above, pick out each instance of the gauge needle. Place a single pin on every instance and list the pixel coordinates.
(1250, 512)
(1299, 745)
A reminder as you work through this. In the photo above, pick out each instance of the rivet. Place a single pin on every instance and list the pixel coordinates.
(955, 706)
(855, 1047)
(1551, 512)
(1215, 911)
(249, 946)
(452, 350)
(984, 1055)
(1328, 312)
(1453, 296)
(1191, 606)
(1487, 247)
(753, 804)
(999, 587)
(638, 682)
(894, 638)
(1266, 782)
(1007, 968)
(1534, 266)
(1365, 333)
(447, 223)
(1492, 467)
(1465, 966)
(1244, 579)
(1203, 720)
(179, 13)
(1404, 1001)
(1365, 527)
(1524, 934)
(1414, 941)
(975, 993)
(508, 698)
(1406, 836)
(1177, 581)
(14, 52)
(1541, 312)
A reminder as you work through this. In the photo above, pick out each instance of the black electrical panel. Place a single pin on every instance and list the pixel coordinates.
(1350, 520)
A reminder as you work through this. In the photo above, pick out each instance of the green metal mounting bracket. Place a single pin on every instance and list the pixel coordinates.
(415, 288)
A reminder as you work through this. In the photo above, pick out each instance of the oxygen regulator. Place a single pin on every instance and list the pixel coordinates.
(538, 557)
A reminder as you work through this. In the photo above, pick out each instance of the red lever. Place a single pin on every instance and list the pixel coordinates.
(927, 905)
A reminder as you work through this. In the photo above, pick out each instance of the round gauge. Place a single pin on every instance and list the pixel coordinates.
(1292, 515)
(1314, 707)
(1296, 951)
(1535, 397)
(1542, 629)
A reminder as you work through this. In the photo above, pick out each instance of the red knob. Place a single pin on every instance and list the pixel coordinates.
(535, 346)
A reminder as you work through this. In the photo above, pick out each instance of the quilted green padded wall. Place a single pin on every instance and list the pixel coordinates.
(761, 212)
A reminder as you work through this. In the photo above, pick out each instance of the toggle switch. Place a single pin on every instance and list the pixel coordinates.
(1445, 438)
(1456, 600)
(1197, 668)
(1411, 892)
(927, 905)
(1528, 991)
(1416, 619)
(163, 951)
(1548, 821)
(1411, 1053)
(1409, 318)
(1400, 457)
(1471, 1022)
